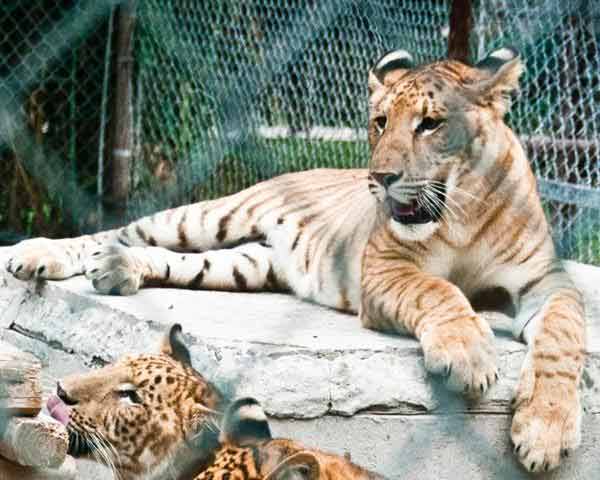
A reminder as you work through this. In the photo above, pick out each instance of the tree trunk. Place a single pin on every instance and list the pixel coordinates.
(20, 385)
(121, 131)
(35, 442)
(461, 16)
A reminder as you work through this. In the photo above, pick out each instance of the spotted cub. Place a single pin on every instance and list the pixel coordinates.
(154, 417)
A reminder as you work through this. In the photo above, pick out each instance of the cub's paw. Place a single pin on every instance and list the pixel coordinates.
(114, 270)
(42, 258)
(463, 351)
(546, 426)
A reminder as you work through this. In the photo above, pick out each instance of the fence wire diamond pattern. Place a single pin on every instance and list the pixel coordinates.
(229, 93)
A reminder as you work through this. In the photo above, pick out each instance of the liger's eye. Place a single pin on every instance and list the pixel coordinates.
(380, 123)
(428, 125)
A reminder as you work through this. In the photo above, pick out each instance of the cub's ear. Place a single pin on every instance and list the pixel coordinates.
(389, 68)
(497, 59)
(245, 423)
(300, 466)
(174, 346)
(501, 70)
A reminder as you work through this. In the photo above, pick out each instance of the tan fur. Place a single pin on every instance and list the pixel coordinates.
(260, 462)
(330, 237)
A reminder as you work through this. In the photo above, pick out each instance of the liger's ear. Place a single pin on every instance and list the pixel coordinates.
(174, 346)
(299, 466)
(389, 68)
(245, 423)
(500, 70)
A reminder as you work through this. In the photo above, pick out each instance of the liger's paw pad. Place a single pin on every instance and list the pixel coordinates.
(113, 271)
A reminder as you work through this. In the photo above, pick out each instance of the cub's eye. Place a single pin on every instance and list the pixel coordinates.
(130, 395)
(380, 123)
(428, 125)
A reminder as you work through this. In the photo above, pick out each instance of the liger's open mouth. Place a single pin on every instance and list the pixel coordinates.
(425, 209)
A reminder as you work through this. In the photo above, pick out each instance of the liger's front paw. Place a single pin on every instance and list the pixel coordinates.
(114, 270)
(41, 258)
(546, 426)
(463, 351)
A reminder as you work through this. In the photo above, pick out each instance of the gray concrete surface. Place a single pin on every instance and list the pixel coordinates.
(321, 377)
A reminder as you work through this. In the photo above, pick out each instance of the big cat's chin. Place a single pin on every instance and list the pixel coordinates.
(413, 232)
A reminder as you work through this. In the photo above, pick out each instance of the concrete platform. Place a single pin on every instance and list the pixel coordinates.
(321, 377)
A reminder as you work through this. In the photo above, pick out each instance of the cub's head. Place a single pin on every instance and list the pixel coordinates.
(140, 411)
(248, 451)
(431, 124)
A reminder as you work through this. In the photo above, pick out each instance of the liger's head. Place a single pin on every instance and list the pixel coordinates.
(428, 125)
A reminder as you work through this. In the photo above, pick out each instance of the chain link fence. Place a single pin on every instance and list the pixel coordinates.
(228, 93)
(262, 88)
(53, 77)
(558, 112)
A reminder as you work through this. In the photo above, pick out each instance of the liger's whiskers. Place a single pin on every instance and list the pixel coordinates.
(429, 207)
(448, 198)
(430, 198)
(462, 191)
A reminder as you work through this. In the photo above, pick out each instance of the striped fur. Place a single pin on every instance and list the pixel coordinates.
(447, 209)
(152, 417)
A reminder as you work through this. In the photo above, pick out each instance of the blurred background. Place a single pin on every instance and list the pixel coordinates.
(110, 110)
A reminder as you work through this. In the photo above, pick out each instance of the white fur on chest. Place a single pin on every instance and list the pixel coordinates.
(467, 269)
(474, 269)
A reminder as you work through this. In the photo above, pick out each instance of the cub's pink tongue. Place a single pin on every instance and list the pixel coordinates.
(58, 410)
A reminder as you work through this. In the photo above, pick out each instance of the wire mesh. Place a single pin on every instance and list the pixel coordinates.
(229, 93)
(51, 73)
(259, 85)
(557, 114)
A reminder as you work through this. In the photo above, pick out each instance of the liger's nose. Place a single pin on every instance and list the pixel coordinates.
(60, 393)
(385, 178)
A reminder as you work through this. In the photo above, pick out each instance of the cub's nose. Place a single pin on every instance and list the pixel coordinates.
(60, 393)
(385, 178)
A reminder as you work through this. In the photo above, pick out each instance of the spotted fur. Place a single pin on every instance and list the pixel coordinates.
(249, 452)
(135, 414)
(447, 211)
(280, 459)
(153, 416)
